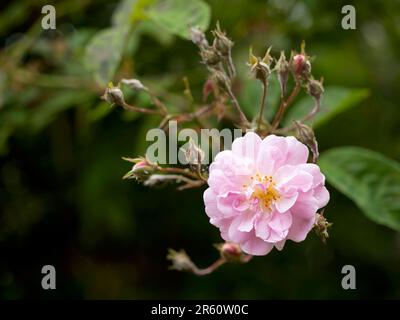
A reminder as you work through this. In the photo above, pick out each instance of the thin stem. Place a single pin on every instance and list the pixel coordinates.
(158, 103)
(313, 112)
(284, 105)
(142, 110)
(155, 178)
(187, 116)
(214, 266)
(231, 66)
(236, 104)
(180, 171)
(260, 116)
(309, 116)
(192, 184)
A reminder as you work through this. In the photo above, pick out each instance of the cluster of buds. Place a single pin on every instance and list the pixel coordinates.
(221, 44)
(218, 52)
(217, 57)
(301, 69)
(299, 66)
(151, 174)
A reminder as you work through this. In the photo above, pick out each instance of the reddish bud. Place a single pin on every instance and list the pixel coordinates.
(208, 87)
(301, 66)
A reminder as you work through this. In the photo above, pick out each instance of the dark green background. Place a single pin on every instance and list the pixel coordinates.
(62, 200)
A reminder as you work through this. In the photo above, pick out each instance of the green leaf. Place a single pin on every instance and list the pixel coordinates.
(122, 14)
(103, 53)
(369, 178)
(130, 11)
(334, 101)
(177, 16)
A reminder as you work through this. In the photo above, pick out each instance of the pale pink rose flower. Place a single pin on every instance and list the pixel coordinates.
(263, 192)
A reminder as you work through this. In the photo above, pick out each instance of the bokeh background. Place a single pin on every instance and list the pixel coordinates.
(62, 200)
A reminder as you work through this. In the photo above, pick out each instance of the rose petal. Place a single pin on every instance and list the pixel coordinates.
(247, 146)
(283, 204)
(300, 228)
(256, 247)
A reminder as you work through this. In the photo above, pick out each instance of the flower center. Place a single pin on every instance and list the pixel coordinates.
(264, 192)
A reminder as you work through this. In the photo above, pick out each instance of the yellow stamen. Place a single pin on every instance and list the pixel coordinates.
(265, 195)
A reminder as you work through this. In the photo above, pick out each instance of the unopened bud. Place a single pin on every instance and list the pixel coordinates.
(194, 154)
(282, 67)
(305, 134)
(141, 169)
(321, 226)
(134, 84)
(198, 37)
(261, 71)
(221, 42)
(315, 89)
(231, 252)
(210, 57)
(301, 66)
(141, 165)
(260, 68)
(113, 95)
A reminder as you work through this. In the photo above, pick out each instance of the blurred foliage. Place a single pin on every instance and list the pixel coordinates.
(370, 179)
(63, 202)
(335, 100)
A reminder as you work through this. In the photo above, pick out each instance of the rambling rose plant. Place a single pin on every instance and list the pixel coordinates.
(267, 189)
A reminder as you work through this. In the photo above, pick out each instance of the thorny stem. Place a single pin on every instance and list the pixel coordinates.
(284, 105)
(260, 116)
